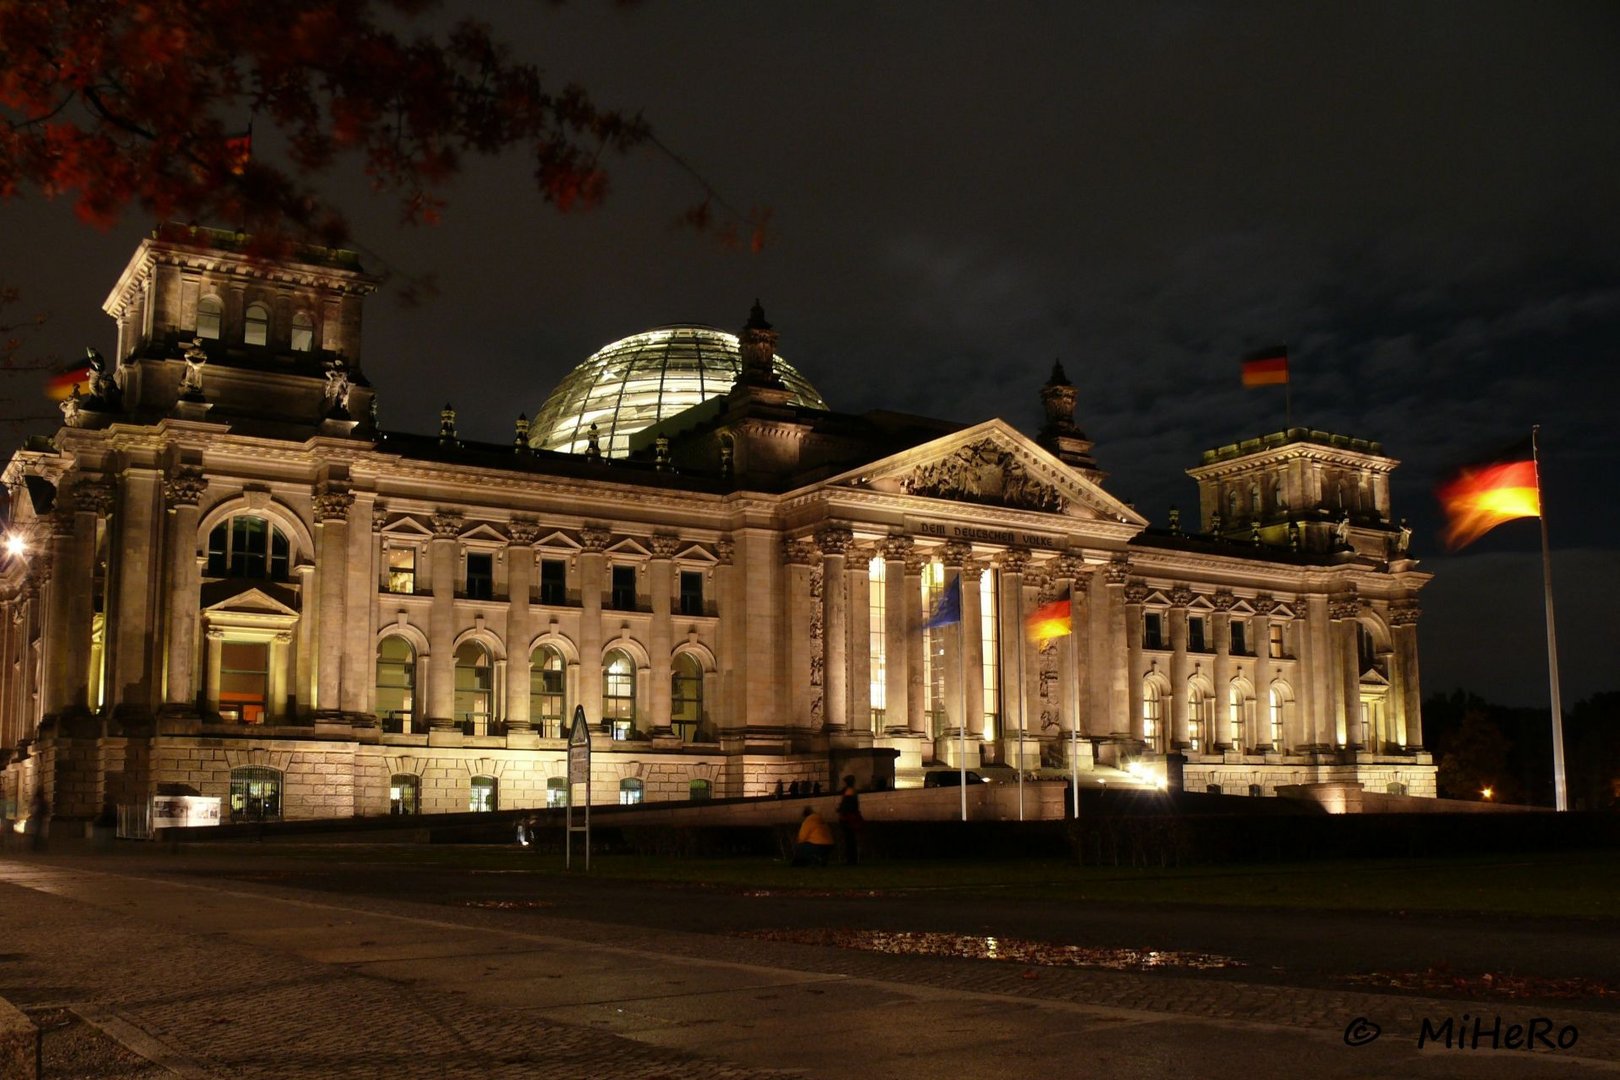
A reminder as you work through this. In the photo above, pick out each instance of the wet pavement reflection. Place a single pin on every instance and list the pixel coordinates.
(995, 947)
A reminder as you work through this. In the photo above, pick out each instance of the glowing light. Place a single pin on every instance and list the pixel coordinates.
(1487, 792)
(16, 545)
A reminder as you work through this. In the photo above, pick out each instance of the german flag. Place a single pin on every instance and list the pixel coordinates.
(1266, 367)
(59, 387)
(1050, 620)
(1479, 497)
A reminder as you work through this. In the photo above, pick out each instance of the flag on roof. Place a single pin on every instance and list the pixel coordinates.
(59, 387)
(1480, 496)
(948, 608)
(1267, 367)
(1050, 620)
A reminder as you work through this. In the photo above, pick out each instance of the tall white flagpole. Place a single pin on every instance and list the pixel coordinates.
(1560, 792)
(961, 721)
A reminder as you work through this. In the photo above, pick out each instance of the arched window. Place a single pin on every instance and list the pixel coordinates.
(303, 332)
(557, 791)
(1367, 650)
(700, 790)
(256, 325)
(475, 686)
(208, 313)
(1278, 699)
(630, 791)
(482, 795)
(1197, 715)
(396, 683)
(1237, 708)
(548, 705)
(619, 694)
(404, 794)
(255, 793)
(686, 696)
(1395, 787)
(1152, 712)
(248, 546)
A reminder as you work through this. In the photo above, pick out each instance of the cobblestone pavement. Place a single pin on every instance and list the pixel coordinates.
(249, 979)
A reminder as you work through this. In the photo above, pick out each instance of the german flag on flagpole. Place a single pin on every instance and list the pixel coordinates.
(1479, 497)
(59, 387)
(1050, 620)
(1266, 367)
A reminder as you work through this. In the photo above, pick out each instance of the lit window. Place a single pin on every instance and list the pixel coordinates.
(547, 704)
(876, 621)
(244, 681)
(475, 681)
(208, 313)
(255, 793)
(1152, 711)
(402, 570)
(248, 547)
(1278, 705)
(396, 683)
(303, 332)
(256, 325)
(990, 651)
(700, 791)
(691, 592)
(404, 794)
(1236, 706)
(557, 791)
(553, 582)
(1197, 715)
(1274, 640)
(933, 586)
(619, 694)
(482, 796)
(630, 791)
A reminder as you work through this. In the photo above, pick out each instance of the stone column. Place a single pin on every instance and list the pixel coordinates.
(1405, 693)
(592, 569)
(1264, 669)
(519, 584)
(182, 491)
(916, 698)
(441, 666)
(360, 611)
(724, 707)
(331, 577)
(1074, 669)
(133, 607)
(833, 542)
(51, 563)
(1180, 597)
(215, 643)
(1347, 714)
(1135, 593)
(660, 638)
(900, 595)
(1016, 658)
(805, 689)
(278, 677)
(858, 587)
(1221, 626)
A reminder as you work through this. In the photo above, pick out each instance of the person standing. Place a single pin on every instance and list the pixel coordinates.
(850, 820)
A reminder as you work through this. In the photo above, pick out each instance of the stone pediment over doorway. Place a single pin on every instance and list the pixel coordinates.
(991, 464)
(262, 598)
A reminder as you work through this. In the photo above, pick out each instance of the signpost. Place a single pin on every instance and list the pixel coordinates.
(579, 771)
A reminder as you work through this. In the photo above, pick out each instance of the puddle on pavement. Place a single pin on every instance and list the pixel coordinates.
(1012, 950)
(508, 905)
(1488, 984)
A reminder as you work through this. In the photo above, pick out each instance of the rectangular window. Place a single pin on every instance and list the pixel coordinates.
(1275, 640)
(933, 585)
(876, 621)
(624, 588)
(402, 570)
(556, 792)
(1195, 634)
(1152, 630)
(1240, 647)
(691, 592)
(244, 681)
(990, 652)
(553, 582)
(480, 575)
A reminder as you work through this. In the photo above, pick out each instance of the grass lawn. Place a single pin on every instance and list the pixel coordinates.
(1561, 884)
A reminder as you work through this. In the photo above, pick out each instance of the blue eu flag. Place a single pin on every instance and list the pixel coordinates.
(948, 608)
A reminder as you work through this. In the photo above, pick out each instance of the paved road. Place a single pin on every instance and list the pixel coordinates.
(261, 966)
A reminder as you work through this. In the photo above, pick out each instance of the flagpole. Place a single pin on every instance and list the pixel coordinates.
(1023, 697)
(961, 721)
(1560, 793)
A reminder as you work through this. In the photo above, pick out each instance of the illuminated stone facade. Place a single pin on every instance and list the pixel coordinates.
(235, 585)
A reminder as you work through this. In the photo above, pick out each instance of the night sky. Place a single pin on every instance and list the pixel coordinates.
(1421, 203)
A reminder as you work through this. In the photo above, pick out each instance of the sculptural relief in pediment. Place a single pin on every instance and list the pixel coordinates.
(984, 472)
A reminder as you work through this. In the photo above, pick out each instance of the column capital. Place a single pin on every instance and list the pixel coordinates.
(834, 539)
(1136, 592)
(93, 496)
(725, 552)
(332, 504)
(664, 545)
(896, 547)
(447, 525)
(522, 532)
(799, 552)
(1404, 612)
(594, 539)
(1342, 608)
(1181, 596)
(1223, 600)
(916, 559)
(1073, 567)
(957, 553)
(1014, 560)
(1118, 570)
(184, 485)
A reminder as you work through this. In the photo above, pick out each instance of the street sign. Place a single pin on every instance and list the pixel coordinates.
(579, 748)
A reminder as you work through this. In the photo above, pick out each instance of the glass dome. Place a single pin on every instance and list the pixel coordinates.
(642, 379)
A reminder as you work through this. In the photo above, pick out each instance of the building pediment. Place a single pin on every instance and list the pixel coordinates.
(407, 528)
(235, 598)
(990, 464)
